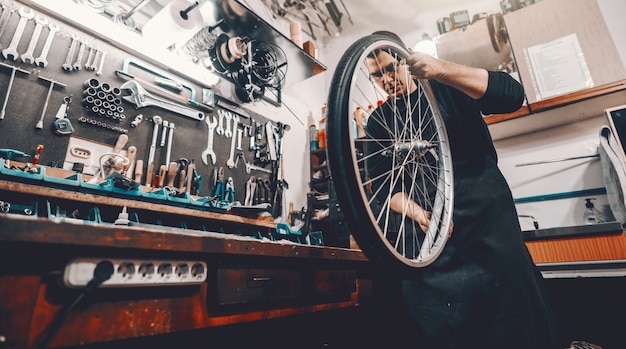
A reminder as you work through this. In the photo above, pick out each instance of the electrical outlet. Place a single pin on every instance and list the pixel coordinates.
(87, 152)
(136, 272)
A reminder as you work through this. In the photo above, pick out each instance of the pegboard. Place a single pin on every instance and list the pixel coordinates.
(28, 94)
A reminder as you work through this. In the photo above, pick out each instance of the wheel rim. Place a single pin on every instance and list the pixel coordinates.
(417, 149)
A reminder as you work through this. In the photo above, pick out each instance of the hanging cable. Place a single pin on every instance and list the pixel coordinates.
(101, 273)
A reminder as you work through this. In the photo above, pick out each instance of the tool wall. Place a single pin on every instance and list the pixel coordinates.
(81, 97)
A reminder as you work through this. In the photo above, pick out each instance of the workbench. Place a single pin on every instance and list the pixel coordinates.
(248, 278)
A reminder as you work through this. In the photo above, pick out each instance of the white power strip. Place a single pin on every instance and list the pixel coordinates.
(136, 272)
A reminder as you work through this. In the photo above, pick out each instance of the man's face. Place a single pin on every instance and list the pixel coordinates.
(390, 75)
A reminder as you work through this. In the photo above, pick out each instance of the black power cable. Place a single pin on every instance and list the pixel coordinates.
(101, 273)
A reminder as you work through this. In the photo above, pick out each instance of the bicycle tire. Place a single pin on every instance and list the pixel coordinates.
(403, 249)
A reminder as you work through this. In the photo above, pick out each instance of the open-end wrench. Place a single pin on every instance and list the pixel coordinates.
(8, 7)
(42, 60)
(67, 66)
(101, 65)
(220, 125)
(81, 52)
(141, 98)
(231, 159)
(211, 123)
(228, 132)
(6, 97)
(96, 58)
(90, 57)
(26, 14)
(52, 82)
(40, 22)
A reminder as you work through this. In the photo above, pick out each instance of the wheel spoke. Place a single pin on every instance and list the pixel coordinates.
(404, 149)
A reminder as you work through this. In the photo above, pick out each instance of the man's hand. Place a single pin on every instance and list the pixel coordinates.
(423, 66)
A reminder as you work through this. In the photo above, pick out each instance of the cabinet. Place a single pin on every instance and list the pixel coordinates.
(552, 20)
(322, 200)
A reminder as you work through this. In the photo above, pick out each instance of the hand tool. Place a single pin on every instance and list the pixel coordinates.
(96, 58)
(229, 191)
(62, 125)
(102, 56)
(228, 132)
(155, 71)
(137, 120)
(42, 60)
(271, 140)
(40, 22)
(157, 120)
(160, 178)
(250, 167)
(131, 154)
(231, 159)
(79, 58)
(67, 66)
(37, 154)
(90, 57)
(190, 173)
(220, 126)
(162, 91)
(138, 171)
(168, 152)
(52, 82)
(239, 136)
(6, 97)
(211, 123)
(166, 124)
(219, 184)
(8, 7)
(26, 14)
(141, 98)
(250, 189)
(171, 173)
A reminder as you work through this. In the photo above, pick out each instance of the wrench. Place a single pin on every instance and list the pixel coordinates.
(67, 66)
(26, 14)
(228, 132)
(141, 98)
(90, 56)
(81, 52)
(6, 98)
(99, 72)
(39, 124)
(212, 123)
(231, 160)
(27, 57)
(239, 136)
(8, 7)
(96, 58)
(42, 60)
(157, 120)
(220, 125)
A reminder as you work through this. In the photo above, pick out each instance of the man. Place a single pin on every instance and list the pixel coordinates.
(484, 290)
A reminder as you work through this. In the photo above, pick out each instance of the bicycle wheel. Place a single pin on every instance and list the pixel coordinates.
(403, 149)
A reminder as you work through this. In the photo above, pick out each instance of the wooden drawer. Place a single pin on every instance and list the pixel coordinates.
(277, 286)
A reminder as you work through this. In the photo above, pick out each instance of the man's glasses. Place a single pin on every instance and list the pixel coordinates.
(389, 69)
